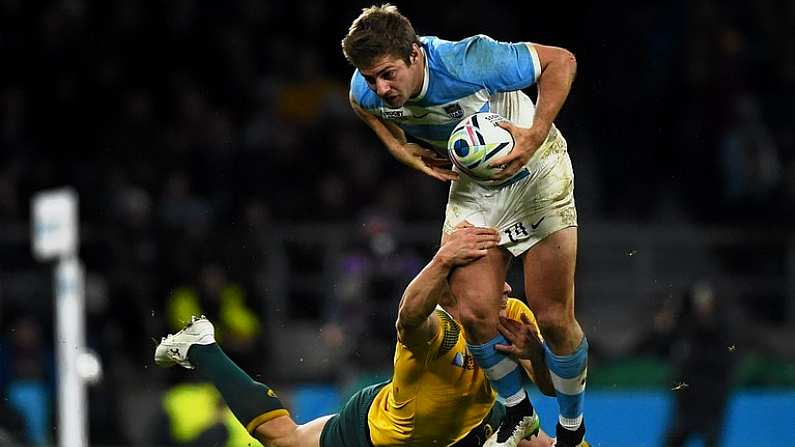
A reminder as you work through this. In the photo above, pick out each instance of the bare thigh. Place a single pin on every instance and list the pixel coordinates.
(549, 286)
(478, 289)
(283, 432)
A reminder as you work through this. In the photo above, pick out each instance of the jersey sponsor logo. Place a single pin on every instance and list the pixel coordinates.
(534, 226)
(393, 114)
(400, 114)
(454, 110)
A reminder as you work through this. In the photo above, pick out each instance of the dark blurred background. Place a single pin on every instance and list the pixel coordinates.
(221, 171)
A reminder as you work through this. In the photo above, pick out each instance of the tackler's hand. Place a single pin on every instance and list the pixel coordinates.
(466, 244)
(525, 342)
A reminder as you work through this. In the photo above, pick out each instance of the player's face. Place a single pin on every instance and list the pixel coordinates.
(506, 291)
(393, 80)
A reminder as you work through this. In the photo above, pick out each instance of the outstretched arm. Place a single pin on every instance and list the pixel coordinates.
(415, 323)
(411, 154)
(558, 67)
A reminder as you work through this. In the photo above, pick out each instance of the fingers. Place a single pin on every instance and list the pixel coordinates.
(506, 330)
(433, 159)
(481, 249)
(510, 322)
(507, 125)
(447, 174)
(428, 153)
(505, 159)
(418, 150)
(516, 326)
(514, 332)
(508, 349)
(479, 253)
(486, 241)
(467, 255)
(442, 175)
(437, 175)
(430, 163)
(467, 243)
(436, 163)
(473, 241)
(531, 330)
(485, 233)
(509, 170)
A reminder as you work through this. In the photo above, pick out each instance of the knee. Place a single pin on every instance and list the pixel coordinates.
(556, 325)
(284, 441)
(477, 319)
(281, 440)
(279, 432)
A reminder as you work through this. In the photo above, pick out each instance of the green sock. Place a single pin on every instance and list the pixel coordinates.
(251, 402)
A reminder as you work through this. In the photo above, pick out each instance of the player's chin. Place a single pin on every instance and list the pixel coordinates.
(395, 102)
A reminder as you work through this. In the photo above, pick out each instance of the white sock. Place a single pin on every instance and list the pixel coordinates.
(516, 398)
(570, 424)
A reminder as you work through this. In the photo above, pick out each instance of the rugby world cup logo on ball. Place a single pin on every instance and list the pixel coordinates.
(476, 140)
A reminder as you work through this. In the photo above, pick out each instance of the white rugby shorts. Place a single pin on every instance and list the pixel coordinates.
(524, 211)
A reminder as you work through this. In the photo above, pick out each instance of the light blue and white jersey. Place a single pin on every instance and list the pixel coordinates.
(477, 74)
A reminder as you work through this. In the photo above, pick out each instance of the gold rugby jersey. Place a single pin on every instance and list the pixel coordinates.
(437, 393)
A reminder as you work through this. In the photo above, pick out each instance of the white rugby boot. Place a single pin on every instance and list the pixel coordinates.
(173, 348)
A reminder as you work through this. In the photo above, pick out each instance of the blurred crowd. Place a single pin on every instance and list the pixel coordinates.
(191, 128)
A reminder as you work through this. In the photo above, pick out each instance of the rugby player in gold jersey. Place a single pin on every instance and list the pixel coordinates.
(437, 395)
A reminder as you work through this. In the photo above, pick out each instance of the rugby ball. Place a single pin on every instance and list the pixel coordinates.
(477, 140)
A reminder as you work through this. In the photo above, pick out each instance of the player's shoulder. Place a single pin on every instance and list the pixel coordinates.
(475, 57)
(362, 94)
(468, 49)
(447, 334)
(444, 47)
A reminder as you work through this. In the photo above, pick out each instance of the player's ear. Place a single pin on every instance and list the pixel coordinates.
(415, 53)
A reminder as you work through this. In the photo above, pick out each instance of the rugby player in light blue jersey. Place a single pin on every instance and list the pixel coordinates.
(412, 91)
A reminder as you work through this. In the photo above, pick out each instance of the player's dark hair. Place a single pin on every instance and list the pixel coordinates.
(379, 31)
